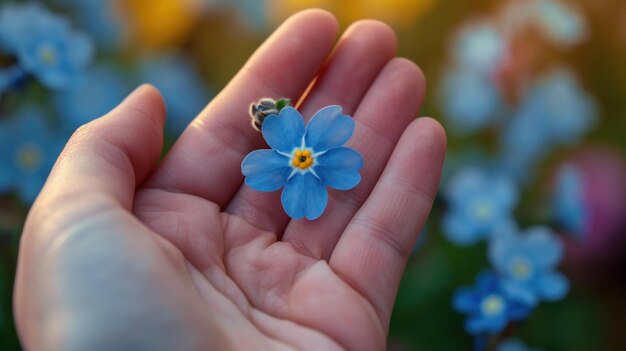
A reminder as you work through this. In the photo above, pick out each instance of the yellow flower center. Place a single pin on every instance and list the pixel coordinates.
(48, 54)
(521, 268)
(482, 211)
(302, 159)
(492, 305)
(29, 157)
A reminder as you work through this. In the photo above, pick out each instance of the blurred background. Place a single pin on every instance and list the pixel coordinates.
(525, 249)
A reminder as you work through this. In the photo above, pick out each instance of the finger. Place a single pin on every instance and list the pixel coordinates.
(372, 253)
(109, 156)
(389, 106)
(206, 159)
(341, 82)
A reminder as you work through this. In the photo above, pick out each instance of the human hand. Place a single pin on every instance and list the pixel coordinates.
(119, 253)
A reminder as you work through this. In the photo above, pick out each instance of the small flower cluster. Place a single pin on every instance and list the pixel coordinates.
(487, 89)
(55, 77)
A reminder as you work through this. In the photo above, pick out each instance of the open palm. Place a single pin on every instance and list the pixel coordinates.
(119, 253)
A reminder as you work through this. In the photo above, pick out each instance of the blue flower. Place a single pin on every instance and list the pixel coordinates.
(184, 93)
(479, 47)
(101, 90)
(477, 203)
(544, 121)
(44, 44)
(524, 142)
(561, 22)
(567, 122)
(29, 149)
(488, 307)
(99, 19)
(514, 345)
(527, 263)
(568, 202)
(470, 100)
(305, 160)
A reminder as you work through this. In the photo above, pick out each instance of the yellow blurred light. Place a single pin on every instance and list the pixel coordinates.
(159, 23)
(394, 12)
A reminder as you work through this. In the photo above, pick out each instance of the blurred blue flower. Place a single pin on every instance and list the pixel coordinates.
(470, 100)
(29, 149)
(184, 93)
(561, 22)
(524, 142)
(568, 202)
(44, 44)
(526, 263)
(514, 345)
(477, 203)
(555, 111)
(99, 19)
(565, 110)
(488, 307)
(102, 88)
(479, 47)
(305, 160)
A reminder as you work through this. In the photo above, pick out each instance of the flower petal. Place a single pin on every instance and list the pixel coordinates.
(519, 292)
(328, 129)
(80, 50)
(464, 300)
(265, 170)
(464, 184)
(544, 246)
(476, 324)
(518, 310)
(284, 132)
(339, 168)
(503, 240)
(304, 195)
(455, 227)
(553, 286)
(505, 190)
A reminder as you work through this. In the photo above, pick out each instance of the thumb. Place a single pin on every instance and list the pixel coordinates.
(111, 155)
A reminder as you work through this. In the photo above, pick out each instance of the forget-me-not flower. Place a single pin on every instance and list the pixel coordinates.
(29, 148)
(102, 88)
(561, 22)
(524, 142)
(568, 202)
(469, 97)
(555, 111)
(479, 47)
(526, 263)
(99, 19)
(470, 100)
(564, 109)
(185, 94)
(44, 44)
(488, 307)
(304, 159)
(477, 203)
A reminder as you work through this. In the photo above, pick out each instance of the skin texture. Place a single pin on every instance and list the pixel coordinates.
(121, 253)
